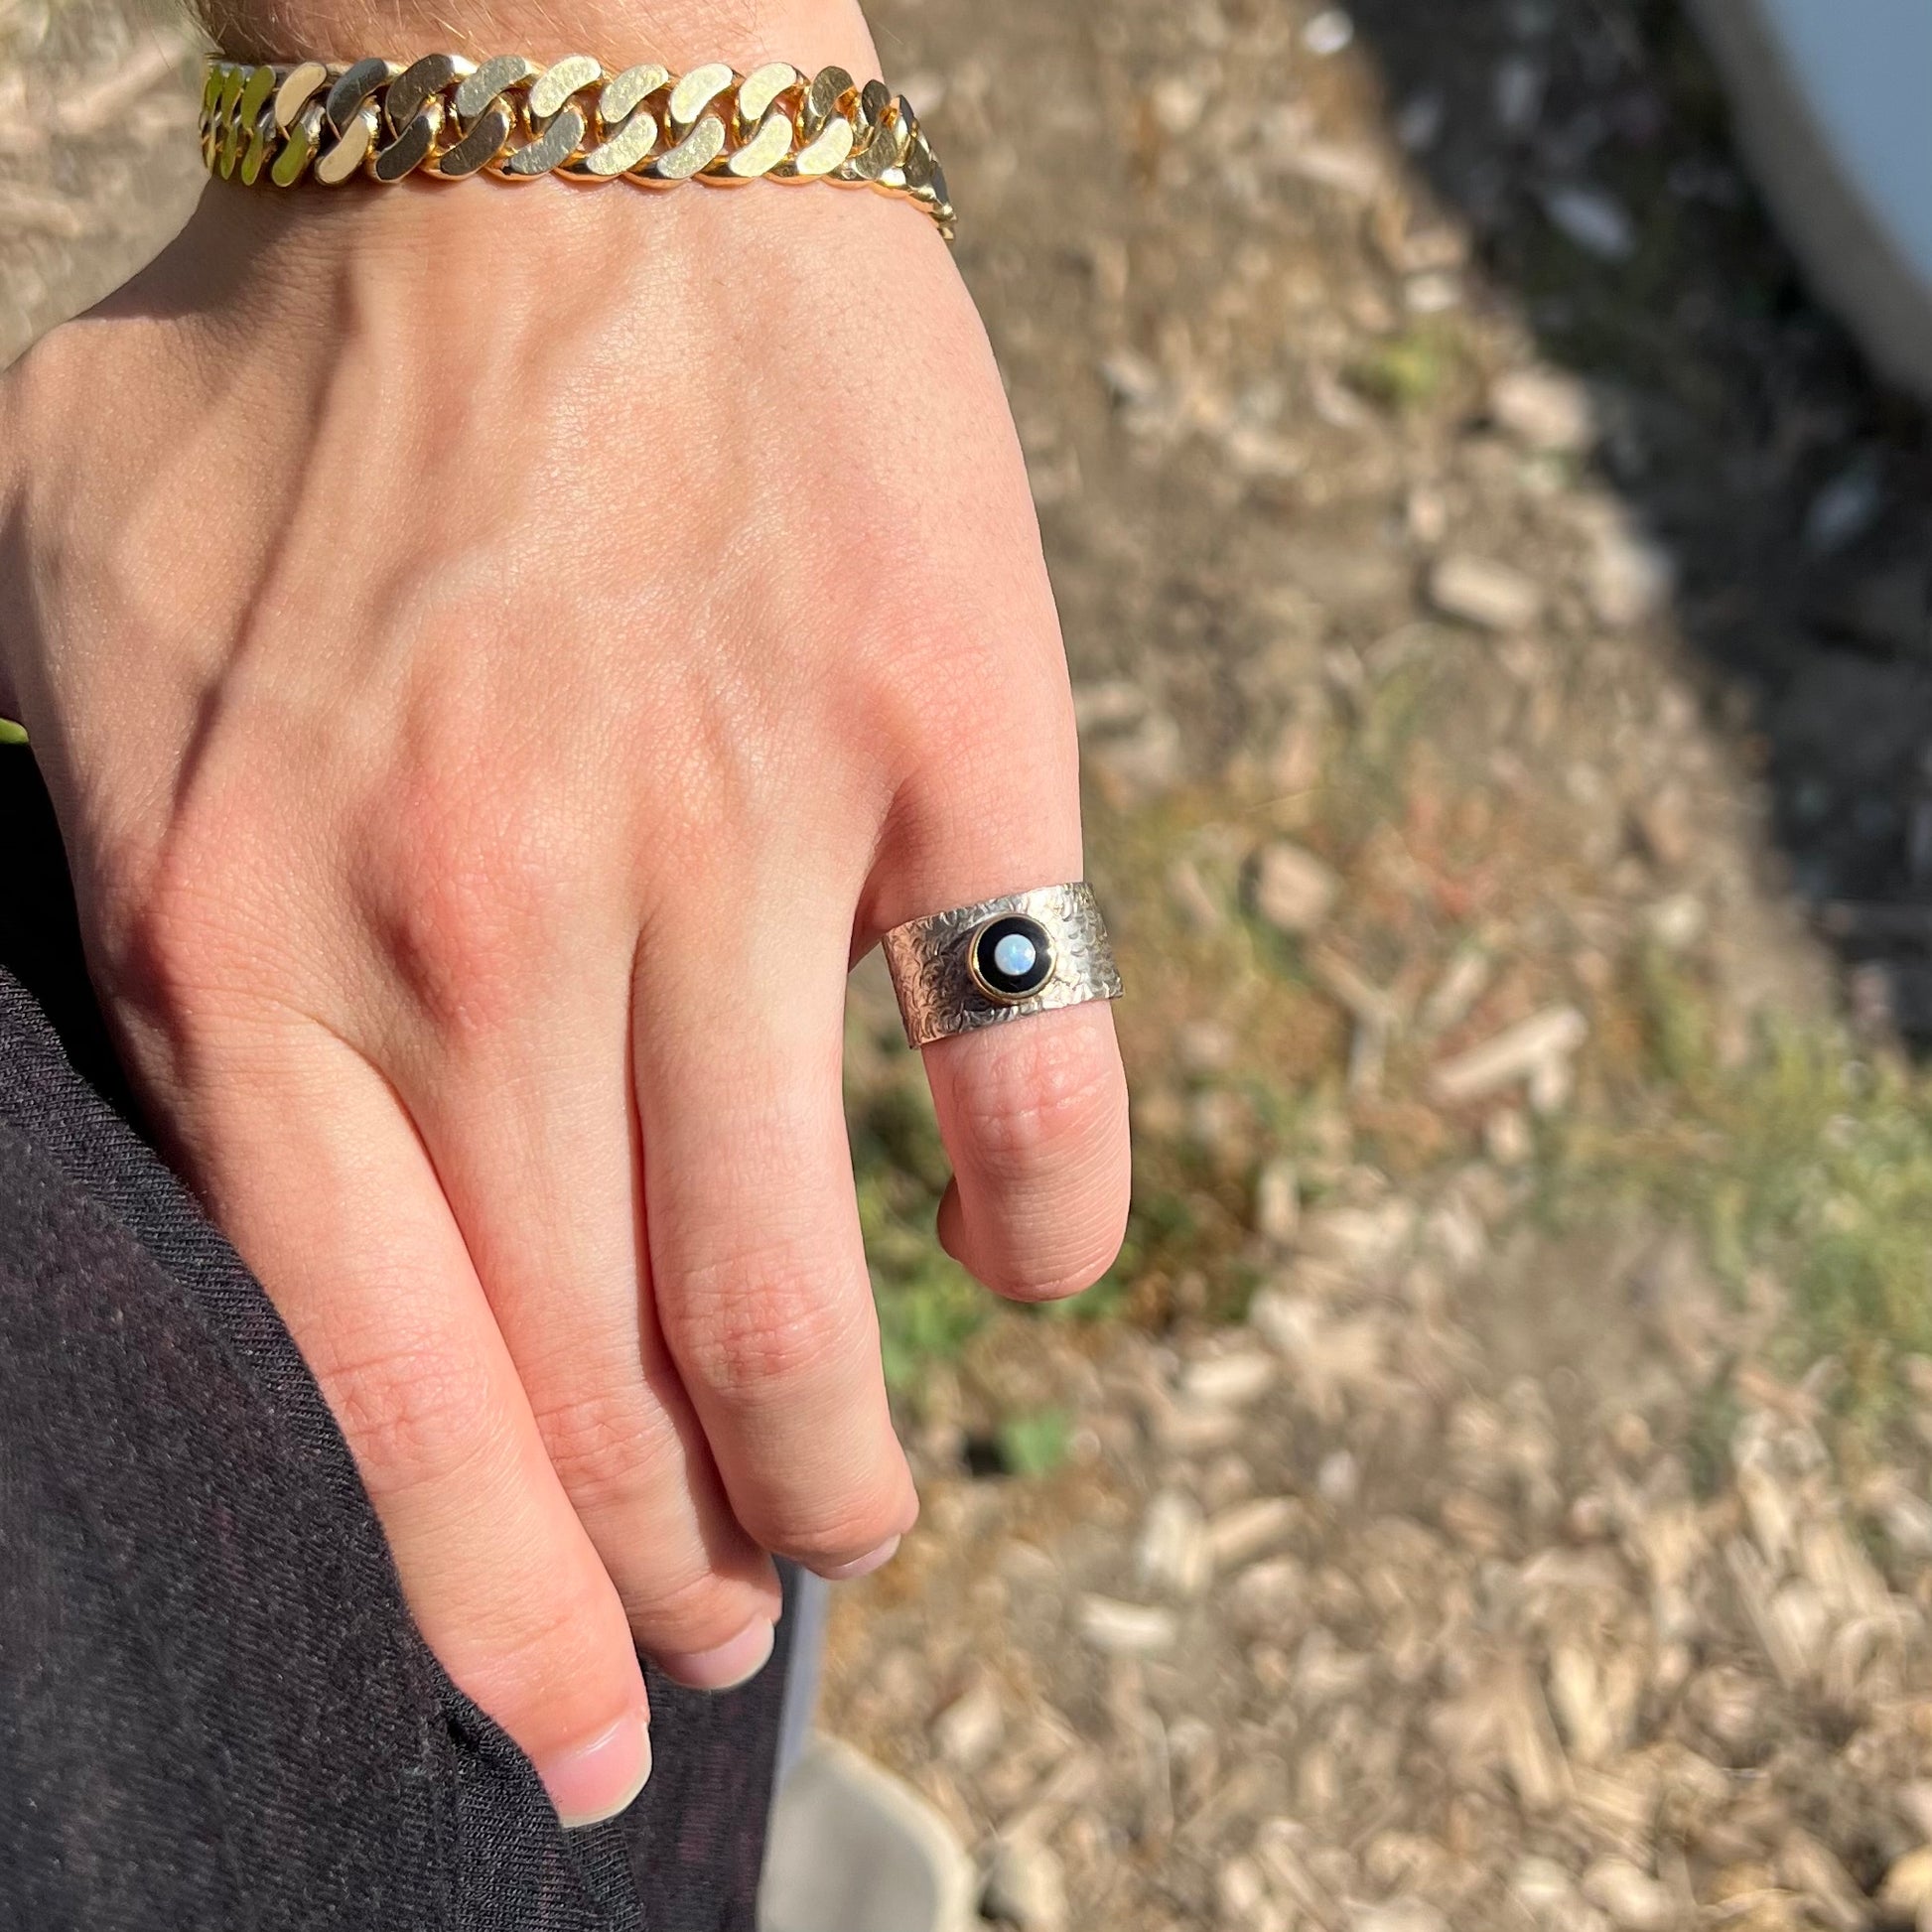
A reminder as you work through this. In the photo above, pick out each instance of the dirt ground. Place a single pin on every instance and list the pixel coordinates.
(1494, 1488)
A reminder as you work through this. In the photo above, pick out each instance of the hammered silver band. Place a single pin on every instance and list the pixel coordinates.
(1003, 959)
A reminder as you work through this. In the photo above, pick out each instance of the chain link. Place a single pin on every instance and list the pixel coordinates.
(448, 118)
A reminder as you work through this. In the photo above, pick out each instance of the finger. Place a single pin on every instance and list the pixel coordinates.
(1035, 1118)
(318, 1174)
(1033, 1114)
(755, 1245)
(534, 1138)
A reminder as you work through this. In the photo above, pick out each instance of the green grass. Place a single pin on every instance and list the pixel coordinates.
(1411, 370)
(928, 1307)
(1804, 1162)
(1035, 1444)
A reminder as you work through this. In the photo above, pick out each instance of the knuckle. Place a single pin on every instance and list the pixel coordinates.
(420, 1410)
(606, 1448)
(177, 919)
(160, 953)
(753, 1325)
(465, 885)
(1045, 1098)
(529, 1631)
(949, 731)
(611, 1451)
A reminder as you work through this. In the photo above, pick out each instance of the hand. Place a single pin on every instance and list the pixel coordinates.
(499, 655)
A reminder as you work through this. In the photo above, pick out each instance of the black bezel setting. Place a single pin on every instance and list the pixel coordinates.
(1007, 989)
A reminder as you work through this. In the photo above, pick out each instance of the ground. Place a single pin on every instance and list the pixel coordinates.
(1493, 1487)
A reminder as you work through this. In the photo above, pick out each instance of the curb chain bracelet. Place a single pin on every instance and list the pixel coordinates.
(444, 117)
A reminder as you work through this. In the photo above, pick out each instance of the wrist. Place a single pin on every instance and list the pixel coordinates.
(680, 33)
(446, 118)
(439, 271)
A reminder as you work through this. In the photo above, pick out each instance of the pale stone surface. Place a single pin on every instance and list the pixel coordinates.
(1634, 1900)
(1126, 1629)
(1014, 955)
(1479, 591)
(1628, 576)
(1545, 409)
(1520, 1053)
(1295, 892)
(1025, 1885)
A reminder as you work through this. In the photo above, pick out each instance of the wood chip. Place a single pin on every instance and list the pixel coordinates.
(1814, 1872)
(1517, 1054)
(1545, 409)
(1025, 1885)
(1229, 1381)
(1126, 1629)
(1905, 1897)
(969, 1730)
(1481, 591)
(1249, 1530)
(1534, 1757)
(1453, 996)
(1278, 1202)
(1294, 890)
(1633, 1900)
(1174, 1556)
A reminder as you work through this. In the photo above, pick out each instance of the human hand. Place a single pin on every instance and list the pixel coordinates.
(498, 656)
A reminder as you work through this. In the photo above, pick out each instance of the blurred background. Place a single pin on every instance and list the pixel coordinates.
(1492, 1490)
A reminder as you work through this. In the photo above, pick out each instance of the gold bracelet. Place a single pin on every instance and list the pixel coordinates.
(446, 118)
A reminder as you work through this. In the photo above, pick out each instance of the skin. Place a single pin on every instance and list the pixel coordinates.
(499, 657)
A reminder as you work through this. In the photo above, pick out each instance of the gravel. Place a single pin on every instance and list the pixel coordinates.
(1487, 1570)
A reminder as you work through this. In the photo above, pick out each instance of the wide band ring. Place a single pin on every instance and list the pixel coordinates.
(1003, 959)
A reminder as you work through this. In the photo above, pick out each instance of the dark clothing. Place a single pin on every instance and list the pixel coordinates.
(215, 1710)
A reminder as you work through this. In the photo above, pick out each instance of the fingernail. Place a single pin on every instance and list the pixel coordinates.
(601, 1778)
(725, 1667)
(864, 1567)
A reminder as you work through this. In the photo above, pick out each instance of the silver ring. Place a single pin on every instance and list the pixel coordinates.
(1003, 959)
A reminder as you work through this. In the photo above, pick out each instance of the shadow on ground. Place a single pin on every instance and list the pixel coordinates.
(1587, 149)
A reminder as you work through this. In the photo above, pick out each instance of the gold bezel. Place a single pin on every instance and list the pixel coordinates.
(997, 996)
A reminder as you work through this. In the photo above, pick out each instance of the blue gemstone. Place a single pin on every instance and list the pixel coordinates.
(1016, 955)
